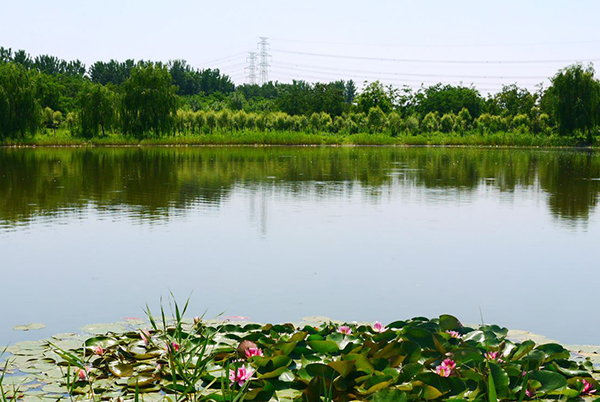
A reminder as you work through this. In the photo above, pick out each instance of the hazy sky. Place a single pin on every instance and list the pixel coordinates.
(220, 33)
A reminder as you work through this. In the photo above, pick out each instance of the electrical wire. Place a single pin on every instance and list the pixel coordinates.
(336, 56)
(567, 43)
(330, 75)
(540, 77)
(294, 77)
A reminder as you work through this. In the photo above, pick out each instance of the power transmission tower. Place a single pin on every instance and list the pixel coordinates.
(263, 63)
(251, 68)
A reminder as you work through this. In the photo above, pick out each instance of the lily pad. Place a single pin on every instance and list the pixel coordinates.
(29, 327)
(102, 329)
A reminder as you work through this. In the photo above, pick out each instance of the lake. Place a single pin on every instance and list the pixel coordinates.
(275, 234)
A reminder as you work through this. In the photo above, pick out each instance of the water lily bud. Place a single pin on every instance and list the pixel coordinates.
(196, 320)
(244, 346)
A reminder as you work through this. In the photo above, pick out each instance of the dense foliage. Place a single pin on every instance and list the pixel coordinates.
(413, 360)
(148, 100)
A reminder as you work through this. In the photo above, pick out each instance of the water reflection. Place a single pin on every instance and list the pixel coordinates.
(276, 234)
(155, 184)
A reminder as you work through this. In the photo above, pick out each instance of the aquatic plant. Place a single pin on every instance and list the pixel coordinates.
(379, 327)
(412, 360)
(3, 396)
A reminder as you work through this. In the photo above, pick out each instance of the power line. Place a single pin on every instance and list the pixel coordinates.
(439, 45)
(227, 58)
(294, 77)
(332, 75)
(292, 65)
(335, 56)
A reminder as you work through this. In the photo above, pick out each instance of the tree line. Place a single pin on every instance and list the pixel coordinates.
(151, 99)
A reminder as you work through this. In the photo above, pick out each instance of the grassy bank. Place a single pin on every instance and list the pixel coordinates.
(517, 139)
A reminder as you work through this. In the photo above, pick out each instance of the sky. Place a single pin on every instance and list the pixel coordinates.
(427, 41)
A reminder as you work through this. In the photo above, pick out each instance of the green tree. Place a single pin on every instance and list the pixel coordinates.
(463, 120)
(350, 91)
(447, 122)
(19, 111)
(149, 101)
(431, 122)
(521, 122)
(511, 100)
(375, 95)
(376, 119)
(97, 109)
(224, 119)
(211, 120)
(395, 123)
(484, 122)
(449, 99)
(575, 100)
(412, 125)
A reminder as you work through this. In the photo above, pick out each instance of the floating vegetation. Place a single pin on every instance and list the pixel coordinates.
(177, 359)
(29, 327)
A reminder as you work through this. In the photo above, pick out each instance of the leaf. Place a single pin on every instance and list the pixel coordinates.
(325, 347)
(421, 336)
(29, 327)
(466, 355)
(492, 396)
(273, 374)
(140, 381)
(449, 323)
(523, 349)
(343, 367)
(549, 380)
(430, 392)
(553, 351)
(409, 371)
(102, 329)
(377, 382)
(362, 363)
(121, 370)
(286, 376)
(499, 378)
(321, 370)
(389, 395)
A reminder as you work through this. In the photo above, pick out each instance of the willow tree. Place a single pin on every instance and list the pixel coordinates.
(149, 101)
(97, 109)
(19, 111)
(574, 97)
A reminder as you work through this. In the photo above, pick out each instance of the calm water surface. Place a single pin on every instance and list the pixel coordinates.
(277, 234)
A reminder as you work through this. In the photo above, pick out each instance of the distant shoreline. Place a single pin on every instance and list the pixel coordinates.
(287, 138)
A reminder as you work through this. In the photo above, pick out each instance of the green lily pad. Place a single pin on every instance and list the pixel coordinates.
(102, 329)
(121, 370)
(29, 327)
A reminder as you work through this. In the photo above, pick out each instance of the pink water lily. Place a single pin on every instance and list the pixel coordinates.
(588, 388)
(82, 374)
(172, 347)
(344, 329)
(529, 393)
(241, 375)
(454, 334)
(445, 368)
(379, 327)
(494, 356)
(98, 351)
(250, 352)
(196, 320)
(145, 335)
